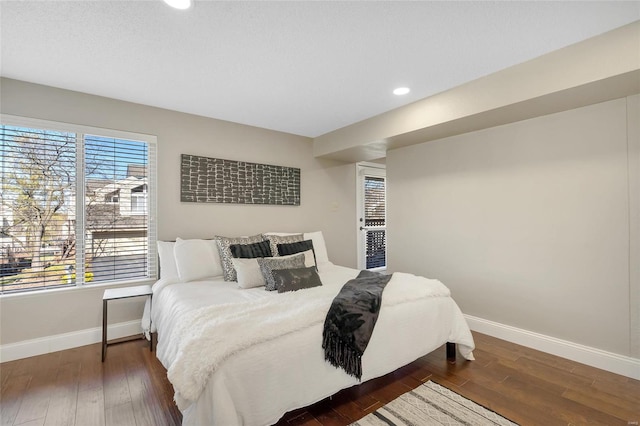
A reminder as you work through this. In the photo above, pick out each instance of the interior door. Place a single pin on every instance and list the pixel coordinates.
(372, 217)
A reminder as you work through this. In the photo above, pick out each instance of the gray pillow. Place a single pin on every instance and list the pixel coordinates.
(296, 279)
(225, 253)
(274, 240)
(269, 264)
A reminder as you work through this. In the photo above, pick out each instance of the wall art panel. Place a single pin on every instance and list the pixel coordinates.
(214, 180)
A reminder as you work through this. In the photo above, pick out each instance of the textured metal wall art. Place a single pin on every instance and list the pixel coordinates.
(214, 180)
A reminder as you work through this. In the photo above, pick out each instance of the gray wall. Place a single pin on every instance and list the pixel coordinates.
(530, 224)
(327, 195)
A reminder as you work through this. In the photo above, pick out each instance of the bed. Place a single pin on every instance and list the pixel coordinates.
(247, 356)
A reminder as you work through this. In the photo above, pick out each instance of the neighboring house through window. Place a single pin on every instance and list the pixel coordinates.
(139, 199)
(112, 197)
(76, 205)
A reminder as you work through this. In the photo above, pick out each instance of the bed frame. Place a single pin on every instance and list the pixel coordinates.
(450, 347)
(451, 353)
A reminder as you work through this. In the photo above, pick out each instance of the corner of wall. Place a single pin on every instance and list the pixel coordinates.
(633, 146)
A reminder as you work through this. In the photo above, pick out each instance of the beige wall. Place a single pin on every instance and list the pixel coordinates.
(528, 223)
(327, 194)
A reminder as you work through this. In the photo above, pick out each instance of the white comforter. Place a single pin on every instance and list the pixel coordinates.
(248, 356)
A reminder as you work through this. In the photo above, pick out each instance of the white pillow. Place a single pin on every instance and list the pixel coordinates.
(168, 268)
(197, 259)
(249, 274)
(309, 258)
(318, 246)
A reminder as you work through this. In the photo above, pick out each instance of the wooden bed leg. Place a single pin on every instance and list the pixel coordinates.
(451, 353)
(152, 341)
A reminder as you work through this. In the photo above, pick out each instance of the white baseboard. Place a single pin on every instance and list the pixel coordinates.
(619, 364)
(604, 360)
(64, 341)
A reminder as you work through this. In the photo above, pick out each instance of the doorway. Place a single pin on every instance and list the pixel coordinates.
(372, 216)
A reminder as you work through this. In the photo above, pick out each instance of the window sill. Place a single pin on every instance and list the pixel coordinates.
(84, 287)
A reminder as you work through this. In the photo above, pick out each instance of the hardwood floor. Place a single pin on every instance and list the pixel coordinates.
(73, 387)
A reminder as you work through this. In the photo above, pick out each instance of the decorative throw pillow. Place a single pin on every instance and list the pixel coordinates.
(281, 239)
(225, 253)
(297, 247)
(248, 273)
(268, 264)
(251, 251)
(296, 279)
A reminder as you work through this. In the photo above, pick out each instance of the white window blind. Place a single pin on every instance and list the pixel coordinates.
(375, 212)
(67, 206)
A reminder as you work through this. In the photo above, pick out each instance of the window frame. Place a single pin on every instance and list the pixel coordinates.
(151, 198)
(363, 169)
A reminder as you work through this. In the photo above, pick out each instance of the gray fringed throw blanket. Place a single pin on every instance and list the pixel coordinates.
(350, 321)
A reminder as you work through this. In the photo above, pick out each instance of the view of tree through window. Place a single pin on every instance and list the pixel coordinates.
(73, 207)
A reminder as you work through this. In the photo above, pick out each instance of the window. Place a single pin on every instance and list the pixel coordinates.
(65, 217)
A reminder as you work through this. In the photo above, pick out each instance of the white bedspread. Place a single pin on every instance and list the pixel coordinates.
(263, 354)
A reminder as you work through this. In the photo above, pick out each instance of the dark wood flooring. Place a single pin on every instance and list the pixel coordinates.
(73, 387)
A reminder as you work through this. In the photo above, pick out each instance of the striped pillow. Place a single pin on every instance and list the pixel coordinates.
(251, 251)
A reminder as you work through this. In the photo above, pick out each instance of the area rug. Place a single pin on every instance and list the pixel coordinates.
(432, 404)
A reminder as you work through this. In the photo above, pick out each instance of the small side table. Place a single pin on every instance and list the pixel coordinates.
(122, 293)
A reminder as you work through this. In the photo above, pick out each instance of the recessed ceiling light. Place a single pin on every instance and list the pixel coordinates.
(401, 91)
(179, 4)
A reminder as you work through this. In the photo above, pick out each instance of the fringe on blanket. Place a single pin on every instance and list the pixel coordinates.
(341, 355)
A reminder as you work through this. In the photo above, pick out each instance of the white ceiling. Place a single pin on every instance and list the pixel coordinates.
(300, 67)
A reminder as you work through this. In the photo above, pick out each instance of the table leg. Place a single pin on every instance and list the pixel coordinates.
(150, 334)
(104, 329)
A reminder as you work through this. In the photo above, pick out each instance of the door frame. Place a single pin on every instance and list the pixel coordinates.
(364, 169)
